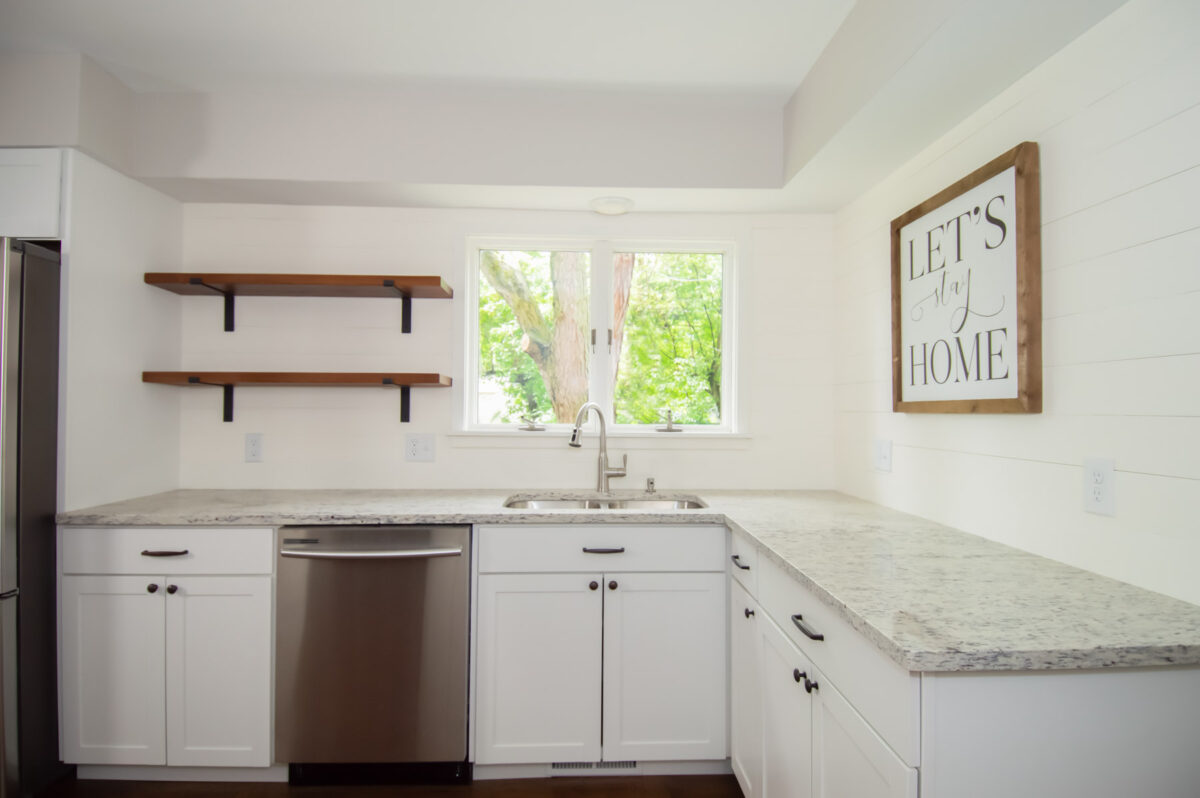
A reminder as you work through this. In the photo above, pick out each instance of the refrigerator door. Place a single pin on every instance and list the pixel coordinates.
(10, 359)
(10, 339)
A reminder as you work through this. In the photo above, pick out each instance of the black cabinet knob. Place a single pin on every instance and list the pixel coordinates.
(798, 674)
(749, 612)
(809, 686)
(593, 584)
(151, 588)
(172, 589)
(612, 585)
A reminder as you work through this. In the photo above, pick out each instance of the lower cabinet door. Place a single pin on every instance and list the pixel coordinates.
(664, 666)
(745, 692)
(218, 667)
(539, 668)
(787, 717)
(849, 758)
(113, 693)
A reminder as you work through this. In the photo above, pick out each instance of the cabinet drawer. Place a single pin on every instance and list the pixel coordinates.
(532, 549)
(743, 561)
(132, 550)
(886, 695)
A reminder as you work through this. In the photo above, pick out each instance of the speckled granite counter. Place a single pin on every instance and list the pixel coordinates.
(931, 597)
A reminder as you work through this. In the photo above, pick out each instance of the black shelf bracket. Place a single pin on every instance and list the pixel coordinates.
(405, 400)
(405, 306)
(228, 302)
(226, 397)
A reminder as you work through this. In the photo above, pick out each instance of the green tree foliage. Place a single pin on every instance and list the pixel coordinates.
(671, 350)
(668, 316)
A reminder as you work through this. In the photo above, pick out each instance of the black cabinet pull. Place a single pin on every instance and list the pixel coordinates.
(172, 589)
(749, 612)
(153, 553)
(151, 588)
(798, 674)
(612, 585)
(809, 686)
(808, 631)
(593, 585)
(588, 550)
(737, 561)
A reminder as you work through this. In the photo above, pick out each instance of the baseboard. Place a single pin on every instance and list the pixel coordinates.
(707, 767)
(163, 773)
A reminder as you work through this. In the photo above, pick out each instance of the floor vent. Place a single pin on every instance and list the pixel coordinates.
(628, 767)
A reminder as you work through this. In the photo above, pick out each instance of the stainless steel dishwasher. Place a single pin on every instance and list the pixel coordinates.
(371, 647)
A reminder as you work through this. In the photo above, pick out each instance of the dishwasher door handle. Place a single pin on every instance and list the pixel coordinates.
(380, 554)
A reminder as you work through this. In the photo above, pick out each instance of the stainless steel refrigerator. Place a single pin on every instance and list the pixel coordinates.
(29, 300)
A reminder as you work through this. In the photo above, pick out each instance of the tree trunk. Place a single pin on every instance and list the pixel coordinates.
(622, 286)
(567, 373)
(558, 346)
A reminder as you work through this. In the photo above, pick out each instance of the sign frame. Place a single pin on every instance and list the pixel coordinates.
(1027, 281)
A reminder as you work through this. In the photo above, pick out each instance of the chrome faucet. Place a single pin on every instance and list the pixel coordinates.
(604, 472)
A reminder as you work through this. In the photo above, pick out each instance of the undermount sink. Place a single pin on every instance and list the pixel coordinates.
(528, 503)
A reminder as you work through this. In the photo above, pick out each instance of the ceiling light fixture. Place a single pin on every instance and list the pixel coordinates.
(611, 206)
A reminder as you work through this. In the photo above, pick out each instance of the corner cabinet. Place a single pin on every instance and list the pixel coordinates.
(230, 286)
(600, 643)
(795, 733)
(165, 641)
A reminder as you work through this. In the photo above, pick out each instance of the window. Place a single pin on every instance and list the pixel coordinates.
(641, 330)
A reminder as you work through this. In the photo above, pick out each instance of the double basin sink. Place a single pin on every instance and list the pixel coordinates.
(525, 502)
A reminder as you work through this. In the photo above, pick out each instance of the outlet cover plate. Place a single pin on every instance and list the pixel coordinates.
(254, 447)
(419, 447)
(883, 455)
(1099, 486)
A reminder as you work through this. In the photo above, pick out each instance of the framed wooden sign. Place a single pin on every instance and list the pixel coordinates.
(967, 294)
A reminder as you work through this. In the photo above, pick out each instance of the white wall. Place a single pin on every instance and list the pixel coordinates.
(120, 438)
(1117, 116)
(352, 437)
(460, 135)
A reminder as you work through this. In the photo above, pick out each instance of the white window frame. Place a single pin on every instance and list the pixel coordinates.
(600, 318)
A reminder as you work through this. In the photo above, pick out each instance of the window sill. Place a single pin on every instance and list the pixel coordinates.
(555, 438)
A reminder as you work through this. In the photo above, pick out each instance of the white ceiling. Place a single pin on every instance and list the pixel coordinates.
(862, 86)
(753, 46)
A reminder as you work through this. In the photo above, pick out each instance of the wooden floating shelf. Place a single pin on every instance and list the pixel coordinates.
(362, 286)
(228, 379)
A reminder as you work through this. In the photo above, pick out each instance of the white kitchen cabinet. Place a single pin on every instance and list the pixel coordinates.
(599, 650)
(787, 728)
(745, 692)
(113, 670)
(30, 192)
(219, 671)
(664, 666)
(849, 758)
(538, 696)
(165, 668)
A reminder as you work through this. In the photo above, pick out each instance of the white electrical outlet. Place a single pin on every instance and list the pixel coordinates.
(1099, 486)
(254, 447)
(418, 447)
(883, 455)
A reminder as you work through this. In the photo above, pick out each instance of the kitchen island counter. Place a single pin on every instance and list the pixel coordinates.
(932, 598)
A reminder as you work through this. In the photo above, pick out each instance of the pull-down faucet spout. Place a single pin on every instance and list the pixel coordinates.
(603, 471)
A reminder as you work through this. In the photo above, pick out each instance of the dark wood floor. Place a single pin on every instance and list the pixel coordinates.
(586, 787)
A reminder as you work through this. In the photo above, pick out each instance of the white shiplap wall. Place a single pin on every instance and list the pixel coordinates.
(352, 437)
(1117, 117)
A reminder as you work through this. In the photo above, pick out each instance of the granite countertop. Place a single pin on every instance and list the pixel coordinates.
(931, 597)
